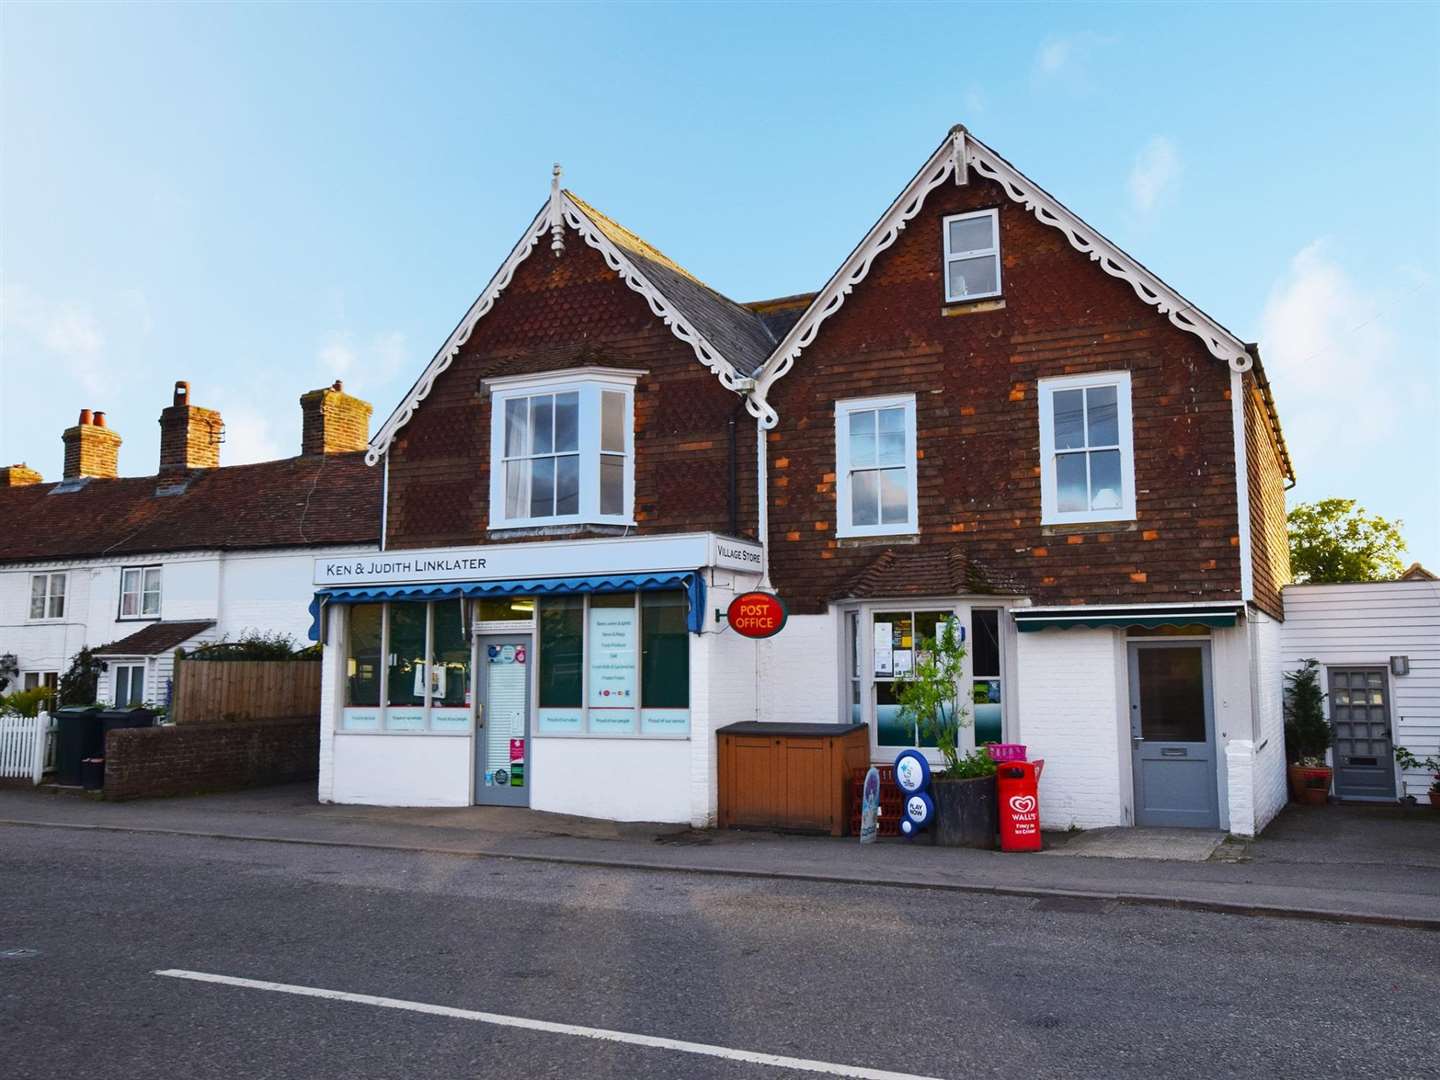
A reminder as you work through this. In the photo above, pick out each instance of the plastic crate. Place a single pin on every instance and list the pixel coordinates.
(892, 802)
(1005, 751)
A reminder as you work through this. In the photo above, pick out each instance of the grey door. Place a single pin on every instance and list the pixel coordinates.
(502, 730)
(1360, 718)
(1172, 729)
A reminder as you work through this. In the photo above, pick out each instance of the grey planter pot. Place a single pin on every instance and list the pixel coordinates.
(967, 812)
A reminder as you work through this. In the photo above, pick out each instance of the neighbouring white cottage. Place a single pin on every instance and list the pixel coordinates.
(136, 566)
(1378, 645)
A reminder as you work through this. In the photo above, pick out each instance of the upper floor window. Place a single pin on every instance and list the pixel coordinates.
(140, 592)
(875, 466)
(1087, 456)
(972, 255)
(47, 596)
(562, 448)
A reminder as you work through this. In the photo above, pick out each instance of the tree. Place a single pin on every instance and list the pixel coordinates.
(1307, 732)
(78, 685)
(929, 695)
(1336, 540)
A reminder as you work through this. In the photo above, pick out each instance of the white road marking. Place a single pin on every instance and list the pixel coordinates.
(751, 1056)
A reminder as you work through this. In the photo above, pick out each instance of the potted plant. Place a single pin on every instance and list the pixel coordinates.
(1307, 735)
(966, 811)
(1409, 761)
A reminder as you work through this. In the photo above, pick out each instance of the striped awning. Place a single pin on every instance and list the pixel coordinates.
(1149, 618)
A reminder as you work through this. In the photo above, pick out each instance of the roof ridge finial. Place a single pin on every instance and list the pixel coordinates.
(557, 221)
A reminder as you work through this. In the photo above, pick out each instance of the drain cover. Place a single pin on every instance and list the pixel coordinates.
(17, 954)
(1074, 905)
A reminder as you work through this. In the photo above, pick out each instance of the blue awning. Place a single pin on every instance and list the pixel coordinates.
(693, 582)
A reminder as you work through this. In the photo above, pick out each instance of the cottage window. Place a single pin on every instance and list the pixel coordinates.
(140, 592)
(47, 596)
(972, 256)
(562, 449)
(875, 466)
(34, 680)
(129, 685)
(1087, 458)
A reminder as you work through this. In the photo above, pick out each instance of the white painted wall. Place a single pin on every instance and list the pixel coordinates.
(723, 690)
(1364, 624)
(1266, 636)
(798, 677)
(401, 770)
(616, 779)
(1070, 714)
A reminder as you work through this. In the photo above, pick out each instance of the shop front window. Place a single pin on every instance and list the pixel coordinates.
(449, 667)
(985, 675)
(614, 665)
(407, 667)
(896, 637)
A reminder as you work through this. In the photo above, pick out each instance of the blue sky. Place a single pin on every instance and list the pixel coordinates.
(260, 199)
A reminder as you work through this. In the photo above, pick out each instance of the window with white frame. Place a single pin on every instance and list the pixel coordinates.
(47, 596)
(140, 592)
(34, 680)
(875, 466)
(127, 685)
(972, 255)
(1087, 456)
(562, 448)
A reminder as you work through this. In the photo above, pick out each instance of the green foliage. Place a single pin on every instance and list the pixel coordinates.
(9, 668)
(929, 695)
(1409, 762)
(253, 645)
(1335, 540)
(79, 685)
(1307, 732)
(27, 702)
(973, 765)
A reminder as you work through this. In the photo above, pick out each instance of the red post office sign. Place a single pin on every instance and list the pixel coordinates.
(757, 614)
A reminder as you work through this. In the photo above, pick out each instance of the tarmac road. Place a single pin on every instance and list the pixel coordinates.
(841, 977)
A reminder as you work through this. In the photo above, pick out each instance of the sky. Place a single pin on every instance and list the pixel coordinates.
(261, 198)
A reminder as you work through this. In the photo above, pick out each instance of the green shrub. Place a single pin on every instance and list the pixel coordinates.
(253, 645)
(27, 702)
(1307, 732)
(972, 766)
(80, 684)
(929, 694)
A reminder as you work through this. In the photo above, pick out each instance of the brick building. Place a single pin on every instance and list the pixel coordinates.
(988, 414)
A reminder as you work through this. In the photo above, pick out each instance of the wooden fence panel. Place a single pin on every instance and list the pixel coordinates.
(209, 691)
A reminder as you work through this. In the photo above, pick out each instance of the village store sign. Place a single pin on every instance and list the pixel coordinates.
(621, 555)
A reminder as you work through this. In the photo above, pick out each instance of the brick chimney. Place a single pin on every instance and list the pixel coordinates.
(190, 436)
(19, 475)
(91, 448)
(334, 422)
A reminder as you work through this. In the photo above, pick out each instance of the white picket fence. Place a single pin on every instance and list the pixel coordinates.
(27, 746)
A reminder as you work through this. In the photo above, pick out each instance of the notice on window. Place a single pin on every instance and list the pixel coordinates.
(884, 650)
(903, 661)
(612, 657)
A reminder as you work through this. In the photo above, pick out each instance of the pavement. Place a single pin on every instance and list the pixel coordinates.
(149, 956)
(1360, 864)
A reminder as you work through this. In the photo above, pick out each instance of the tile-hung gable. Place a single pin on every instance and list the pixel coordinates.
(988, 415)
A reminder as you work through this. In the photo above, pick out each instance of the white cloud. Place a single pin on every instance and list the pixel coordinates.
(377, 361)
(1054, 54)
(1065, 58)
(974, 102)
(1156, 170)
(1333, 364)
(67, 331)
(250, 435)
(336, 358)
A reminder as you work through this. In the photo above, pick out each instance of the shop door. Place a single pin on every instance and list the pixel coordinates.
(1172, 732)
(1360, 718)
(502, 732)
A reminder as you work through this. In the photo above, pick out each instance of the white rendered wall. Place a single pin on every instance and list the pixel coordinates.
(401, 770)
(723, 690)
(615, 779)
(1070, 708)
(1266, 636)
(1363, 625)
(798, 678)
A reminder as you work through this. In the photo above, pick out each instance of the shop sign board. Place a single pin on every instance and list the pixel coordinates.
(678, 553)
(757, 614)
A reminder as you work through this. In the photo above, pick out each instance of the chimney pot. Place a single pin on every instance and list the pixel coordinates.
(85, 417)
(99, 419)
(338, 387)
(182, 392)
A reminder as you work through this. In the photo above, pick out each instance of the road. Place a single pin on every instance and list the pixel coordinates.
(894, 980)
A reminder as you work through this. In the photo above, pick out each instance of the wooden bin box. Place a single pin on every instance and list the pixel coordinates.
(789, 776)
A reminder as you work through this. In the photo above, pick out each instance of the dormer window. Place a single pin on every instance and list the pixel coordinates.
(562, 448)
(972, 256)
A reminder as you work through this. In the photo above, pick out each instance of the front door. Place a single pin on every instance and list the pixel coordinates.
(1360, 719)
(1172, 728)
(502, 728)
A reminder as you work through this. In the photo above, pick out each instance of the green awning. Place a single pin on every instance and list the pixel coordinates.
(1146, 618)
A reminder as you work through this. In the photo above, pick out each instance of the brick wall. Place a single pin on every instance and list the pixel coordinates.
(555, 314)
(973, 370)
(145, 762)
(333, 422)
(1269, 541)
(91, 448)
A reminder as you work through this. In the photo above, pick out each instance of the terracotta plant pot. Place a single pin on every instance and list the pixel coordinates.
(1434, 799)
(1310, 785)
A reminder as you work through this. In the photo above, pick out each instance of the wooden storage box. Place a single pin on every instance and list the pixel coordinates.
(790, 776)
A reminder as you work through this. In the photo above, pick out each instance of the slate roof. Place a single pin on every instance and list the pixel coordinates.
(926, 571)
(738, 333)
(780, 314)
(157, 638)
(294, 502)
